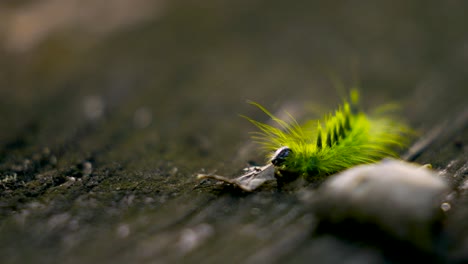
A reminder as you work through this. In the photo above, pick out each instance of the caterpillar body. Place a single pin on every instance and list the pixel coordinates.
(318, 148)
(346, 138)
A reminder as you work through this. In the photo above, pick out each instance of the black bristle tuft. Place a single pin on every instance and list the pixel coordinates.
(329, 139)
(347, 121)
(341, 129)
(335, 135)
(319, 140)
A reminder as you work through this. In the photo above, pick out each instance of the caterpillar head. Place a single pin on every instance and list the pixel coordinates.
(280, 156)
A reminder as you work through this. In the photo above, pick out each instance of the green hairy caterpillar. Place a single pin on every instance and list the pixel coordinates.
(322, 147)
(318, 148)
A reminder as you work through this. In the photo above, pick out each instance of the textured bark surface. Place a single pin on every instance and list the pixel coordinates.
(107, 118)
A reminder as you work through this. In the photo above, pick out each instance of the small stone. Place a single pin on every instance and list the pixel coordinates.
(398, 198)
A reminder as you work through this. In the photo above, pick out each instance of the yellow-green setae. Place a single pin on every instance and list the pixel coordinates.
(341, 140)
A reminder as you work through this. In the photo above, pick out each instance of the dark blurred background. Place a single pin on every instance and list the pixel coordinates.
(146, 93)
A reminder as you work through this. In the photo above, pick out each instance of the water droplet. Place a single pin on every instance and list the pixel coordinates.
(445, 207)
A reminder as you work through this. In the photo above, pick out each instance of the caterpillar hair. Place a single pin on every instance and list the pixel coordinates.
(340, 140)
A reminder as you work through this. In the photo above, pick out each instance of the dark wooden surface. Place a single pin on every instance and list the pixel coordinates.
(105, 121)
